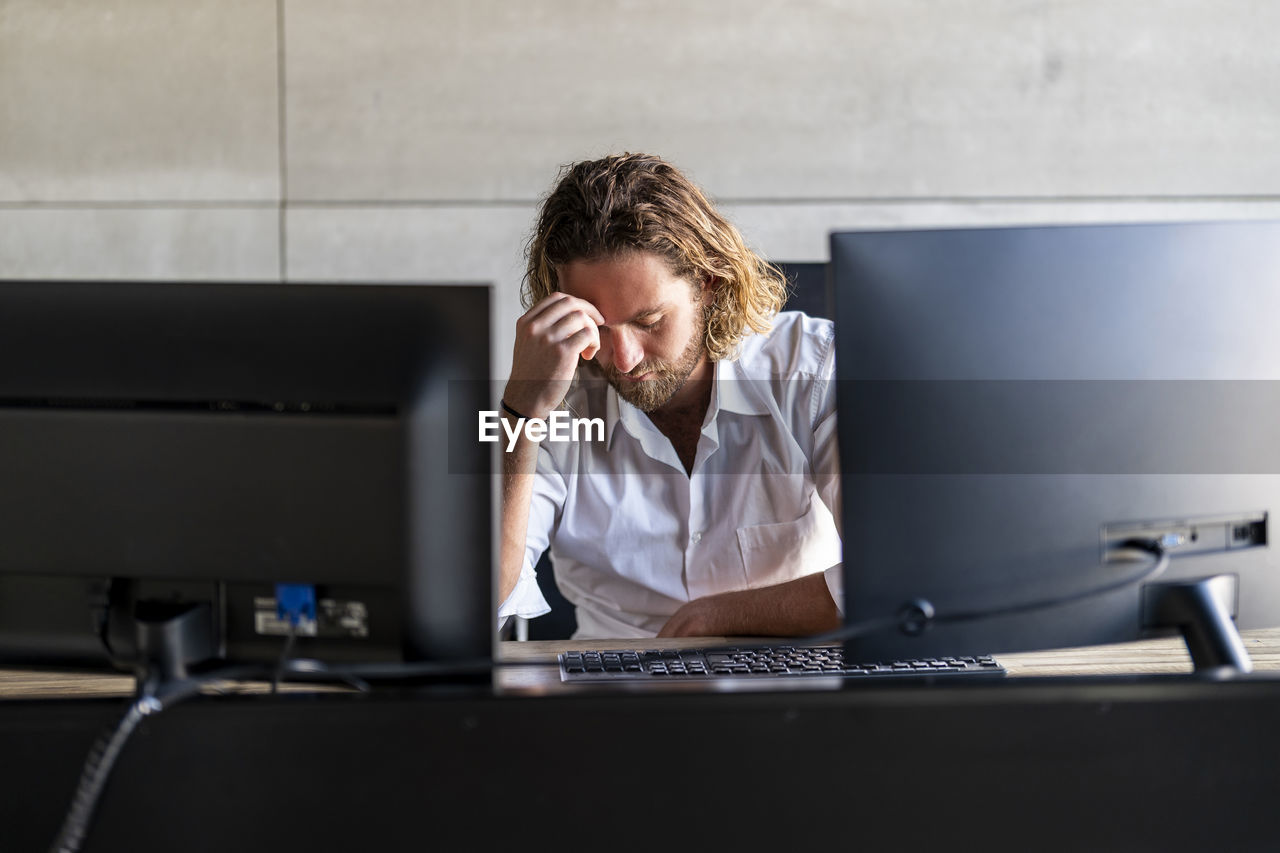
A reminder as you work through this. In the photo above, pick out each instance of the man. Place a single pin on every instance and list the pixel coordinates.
(708, 507)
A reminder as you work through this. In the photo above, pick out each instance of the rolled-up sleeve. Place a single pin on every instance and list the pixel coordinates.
(526, 598)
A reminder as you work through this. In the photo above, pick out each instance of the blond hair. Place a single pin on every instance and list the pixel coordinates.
(640, 203)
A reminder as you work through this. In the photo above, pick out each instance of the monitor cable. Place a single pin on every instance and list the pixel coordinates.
(155, 697)
(152, 699)
(912, 619)
(285, 652)
(1148, 573)
(917, 615)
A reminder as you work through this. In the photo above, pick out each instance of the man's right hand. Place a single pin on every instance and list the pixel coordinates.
(550, 338)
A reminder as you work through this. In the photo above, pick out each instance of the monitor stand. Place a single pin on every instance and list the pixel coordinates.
(1203, 611)
(158, 638)
(169, 638)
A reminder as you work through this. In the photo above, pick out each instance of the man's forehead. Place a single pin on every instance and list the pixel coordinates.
(620, 307)
(622, 291)
(631, 267)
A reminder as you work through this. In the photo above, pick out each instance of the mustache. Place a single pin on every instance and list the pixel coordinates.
(612, 372)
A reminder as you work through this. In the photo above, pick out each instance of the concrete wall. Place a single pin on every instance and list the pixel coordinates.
(399, 140)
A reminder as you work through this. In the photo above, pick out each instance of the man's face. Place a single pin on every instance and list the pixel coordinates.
(652, 341)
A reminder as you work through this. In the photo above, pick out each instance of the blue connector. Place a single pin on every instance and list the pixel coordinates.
(295, 602)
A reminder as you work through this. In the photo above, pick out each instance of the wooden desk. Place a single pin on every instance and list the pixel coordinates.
(1148, 656)
(1166, 655)
(1022, 763)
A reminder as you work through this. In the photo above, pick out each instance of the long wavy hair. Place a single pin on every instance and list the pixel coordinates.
(625, 203)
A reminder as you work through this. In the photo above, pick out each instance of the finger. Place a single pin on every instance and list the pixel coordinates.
(555, 304)
(555, 320)
(590, 350)
(545, 314)
(543, 305)
(591, 311)
(578, 303)
(586, 341)
(568, 324)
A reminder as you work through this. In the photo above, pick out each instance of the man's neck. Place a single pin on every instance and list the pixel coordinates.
(680, 418)
(693, 398)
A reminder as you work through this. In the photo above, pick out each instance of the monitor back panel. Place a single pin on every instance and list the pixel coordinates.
(1010, 396)
(210, 440)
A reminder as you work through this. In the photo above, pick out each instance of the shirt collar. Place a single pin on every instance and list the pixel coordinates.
(737, 393)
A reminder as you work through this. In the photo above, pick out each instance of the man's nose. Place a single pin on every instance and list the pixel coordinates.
(627, 352)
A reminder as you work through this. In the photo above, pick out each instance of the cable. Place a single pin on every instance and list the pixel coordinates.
(913, 618)
(1147, 574)
(94, 776)
(102, 759)
(408, 671)
(306, 669)
(284, 655)
(155, 697)
(916, 615)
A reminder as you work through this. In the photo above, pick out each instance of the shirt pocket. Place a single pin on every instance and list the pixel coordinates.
(783, 551)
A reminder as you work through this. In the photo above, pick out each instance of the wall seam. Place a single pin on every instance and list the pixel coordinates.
(282, 243)
(795, 201)
(282, 202)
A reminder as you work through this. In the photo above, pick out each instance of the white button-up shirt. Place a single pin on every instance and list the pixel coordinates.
(633, 537)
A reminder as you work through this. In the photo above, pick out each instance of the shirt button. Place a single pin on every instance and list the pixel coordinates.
(696, 538)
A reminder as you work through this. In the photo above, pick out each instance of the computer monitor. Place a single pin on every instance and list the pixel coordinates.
(1058, 436)
(171, 451)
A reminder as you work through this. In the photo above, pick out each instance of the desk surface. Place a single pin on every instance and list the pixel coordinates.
(1162, 655)
(1167, 655)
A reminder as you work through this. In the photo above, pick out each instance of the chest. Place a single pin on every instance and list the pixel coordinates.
(722, 528)
(684, 439)
(683, 430)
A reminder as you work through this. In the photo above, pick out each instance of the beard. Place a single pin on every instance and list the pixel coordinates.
(668, 377)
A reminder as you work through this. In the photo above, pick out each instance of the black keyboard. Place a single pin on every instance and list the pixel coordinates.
(767, 662)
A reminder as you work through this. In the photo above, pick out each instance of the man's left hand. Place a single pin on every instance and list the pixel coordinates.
(702, 617)
(792, 609)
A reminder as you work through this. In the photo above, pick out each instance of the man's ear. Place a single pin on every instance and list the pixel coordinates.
(710, 286)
